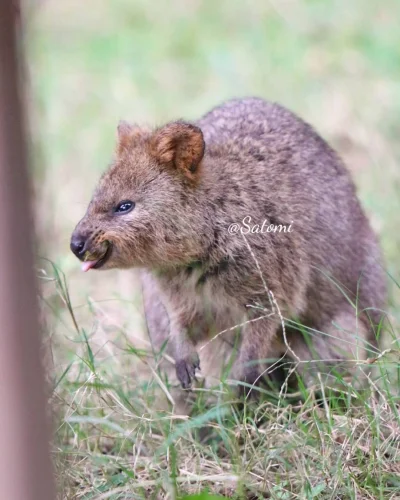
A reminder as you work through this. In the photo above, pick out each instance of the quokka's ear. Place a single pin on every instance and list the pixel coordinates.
(129, 134)
(179, 144)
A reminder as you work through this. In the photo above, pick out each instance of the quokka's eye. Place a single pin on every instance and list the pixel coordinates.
(124, 207)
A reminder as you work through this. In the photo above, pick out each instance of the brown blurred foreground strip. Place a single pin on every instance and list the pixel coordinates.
(25, 467)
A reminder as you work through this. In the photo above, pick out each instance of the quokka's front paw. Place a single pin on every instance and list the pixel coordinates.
(186, 369)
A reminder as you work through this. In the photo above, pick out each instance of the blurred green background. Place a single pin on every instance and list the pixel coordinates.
(336, 63)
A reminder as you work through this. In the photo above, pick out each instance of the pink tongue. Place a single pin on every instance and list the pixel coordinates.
(88, 265)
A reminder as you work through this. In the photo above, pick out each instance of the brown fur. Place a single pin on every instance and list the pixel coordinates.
(262, 161)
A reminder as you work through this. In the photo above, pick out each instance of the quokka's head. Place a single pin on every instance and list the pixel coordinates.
(144, 211)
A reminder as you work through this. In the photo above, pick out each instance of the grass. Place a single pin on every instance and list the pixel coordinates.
(118, 433)
(120, 436)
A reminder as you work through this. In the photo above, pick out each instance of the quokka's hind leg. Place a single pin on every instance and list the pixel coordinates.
(334, 350)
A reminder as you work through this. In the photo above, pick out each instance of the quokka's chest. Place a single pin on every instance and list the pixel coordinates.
(205, 300)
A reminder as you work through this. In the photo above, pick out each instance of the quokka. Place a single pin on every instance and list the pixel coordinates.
(165, 206)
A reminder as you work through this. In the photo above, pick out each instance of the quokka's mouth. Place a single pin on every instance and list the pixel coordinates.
(99, 262)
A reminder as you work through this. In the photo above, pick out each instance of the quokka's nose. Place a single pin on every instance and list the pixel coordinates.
(78, 245)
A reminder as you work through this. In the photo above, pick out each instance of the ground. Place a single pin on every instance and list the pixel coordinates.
(335, 63)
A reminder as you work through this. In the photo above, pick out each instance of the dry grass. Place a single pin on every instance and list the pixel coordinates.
(117, 432)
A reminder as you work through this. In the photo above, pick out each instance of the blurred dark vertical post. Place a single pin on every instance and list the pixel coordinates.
(25, 468)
